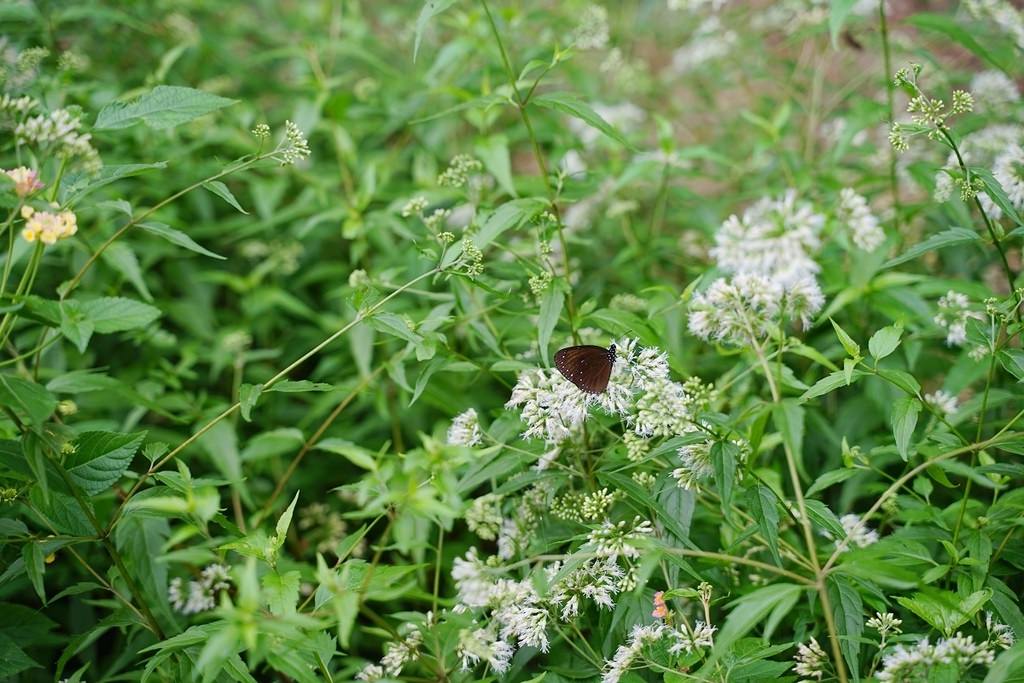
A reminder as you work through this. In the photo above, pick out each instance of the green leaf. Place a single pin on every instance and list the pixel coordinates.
(946, 238)
(165, 106)
(567, 104)
(749, 610)
(761, 502)
(121, 258)
(26, 398)
(13, 659)
(885, 341)
(830, 383)
(248, 395)
(829, 479)
(839, 12)
(848, 612)
(851, 347)
(788, 417)
(904, 420)
(117, 314)
(221, 190)
(509, 215)
(948, 26)
(944, 610)
(493, 152)
(550, 311)
(178, 238)
(35, 565)
(1008, 667)
(300, 386)
(997, 194)
(823, 517)
(100, 458)
(723, 458)
(1012, 361)
(285, 520)
(430, 10)
(356, 454)
(281, 592)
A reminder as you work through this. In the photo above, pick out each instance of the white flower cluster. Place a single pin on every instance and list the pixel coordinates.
(639, 389)
(914, 662)
(626, 655)
(397, 654)
(483, 644)
(862, 224)
(943, 401)
(597, 580)
(711, 41)
(769, 252)
(980, 148)
(953, 314)
(465, 429)
(994, 91)
(749, 308)
(857, 533)
(1003, 14)
(1008, 169)
(696, 467)
(619, 539)
(811, 662)
(593, 31)
(201, 595)
(59, 130)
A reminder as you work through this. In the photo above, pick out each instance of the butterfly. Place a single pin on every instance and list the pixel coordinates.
(586, 366)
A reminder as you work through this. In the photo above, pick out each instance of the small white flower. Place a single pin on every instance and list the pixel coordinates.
(483, 644)
(994, 91)
(999, 634)
(856, 533)
(953, 314)
(201, 595)
(1008, 169)
(465, 429)
(701, 637)
(811, 660)
(592, 32)
(597, 580)
(612, 540)
(709, 42)
(625, 655)
(943, 401)
(885, 623)
(863, 225)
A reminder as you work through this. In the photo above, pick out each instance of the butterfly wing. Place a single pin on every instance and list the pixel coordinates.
(588, 367)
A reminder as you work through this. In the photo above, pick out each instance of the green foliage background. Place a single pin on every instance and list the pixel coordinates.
(252, 358)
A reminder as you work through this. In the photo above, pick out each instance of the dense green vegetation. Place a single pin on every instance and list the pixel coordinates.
(282, 285)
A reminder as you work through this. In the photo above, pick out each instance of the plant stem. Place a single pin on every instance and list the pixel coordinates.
(363, 315)
(24, 286)
(541, 163)
(890, 99)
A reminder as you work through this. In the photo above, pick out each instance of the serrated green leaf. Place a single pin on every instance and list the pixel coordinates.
(904, 421)
(117, 314)
(165, 106)
(848, 613)
(281, 592)
(851, 347)
(947, 238)
(762, 505)
(248, 396)
(100, 458)
(26, 398)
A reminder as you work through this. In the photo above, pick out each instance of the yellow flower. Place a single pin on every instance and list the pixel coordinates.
(47, 227)
(26, 180)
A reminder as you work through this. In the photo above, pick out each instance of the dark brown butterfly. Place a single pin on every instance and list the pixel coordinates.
(588, 367)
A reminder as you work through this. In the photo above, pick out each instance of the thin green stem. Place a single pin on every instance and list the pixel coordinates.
(363, 315)
(24, 286)
(891, 102)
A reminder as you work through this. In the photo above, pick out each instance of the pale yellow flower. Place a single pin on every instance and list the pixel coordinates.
(47, 227)
(26, 180)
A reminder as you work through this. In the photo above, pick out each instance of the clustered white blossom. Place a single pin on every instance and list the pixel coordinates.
(465, 429)
(712, 40)
(639, 389)
(59, 130)
(811, 660)
(592, 32)
(701, 636)
(749, 308)
(914, 662)
(995, 91)
(483, 644)
(696, 466)
(857, 533)
(484, 516)
(953, 314)
(619, 539)
(294, 147)
(980, 148)
(943, 401)
(885, 623)
(397, 654)
(200, 595)
(626, 655)
(1003, 14)
(1008, 169)
(769, 252)
(597, 580)
(863, 225)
